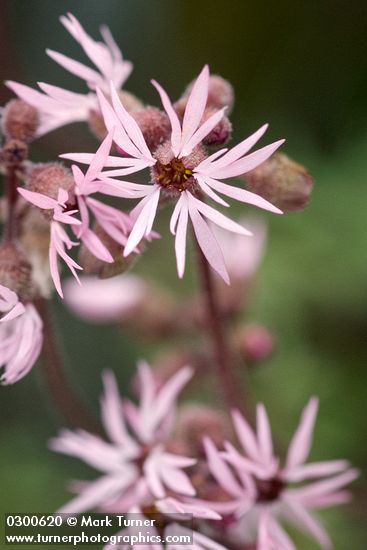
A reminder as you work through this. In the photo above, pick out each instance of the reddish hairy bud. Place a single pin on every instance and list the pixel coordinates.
(49, 178)
(14, 152)
(130, 101)
(255, 343)
(221, 133)
(16, 271)
(35, 239)
(220, 95)
(282, 181)
(197, 421)
(20, 120)
(97, 125)
(105, 270)
(96, 122)
(154, 125)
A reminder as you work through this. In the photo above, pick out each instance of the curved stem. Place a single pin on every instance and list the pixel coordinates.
(60, 389)
(224, 358)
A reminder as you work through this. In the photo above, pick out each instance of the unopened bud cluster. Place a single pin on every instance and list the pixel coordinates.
(282, 181)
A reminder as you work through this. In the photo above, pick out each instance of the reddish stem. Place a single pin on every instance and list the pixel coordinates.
(11, 182)
(69, 404)
(224, 358)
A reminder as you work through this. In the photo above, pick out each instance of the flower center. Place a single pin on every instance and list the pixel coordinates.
(139, 460)
(269, 490)
(174, 175)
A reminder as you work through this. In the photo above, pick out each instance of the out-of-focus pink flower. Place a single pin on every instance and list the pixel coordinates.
(263, 491)
(242, 255)
(106, 56)
(199, 541)
(181, 170)
(21, 336)
(136, 467)
(59, 239)
(57, 106)
(104, 300)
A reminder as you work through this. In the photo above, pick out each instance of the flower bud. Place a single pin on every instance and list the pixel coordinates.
(19, 121)
(105, 270)
(221, 133)
(14, 152)
(47, 179)
(255, 343)
(130, 101)
(154, 125)
(35, 239)
(195, 422)
(96, 122)
(220, 95)
(282, 181)
(16, 271)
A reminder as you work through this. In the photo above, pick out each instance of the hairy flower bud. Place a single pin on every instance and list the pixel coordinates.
(16, 271)
(96, 123)
(14, 152)
(220, 95)
(154, 125)
(221, 133)
(35, 239)
(105, 270)
(197, 421)
(19, 120)
(255, 343)
(47, 179)
(282, 181)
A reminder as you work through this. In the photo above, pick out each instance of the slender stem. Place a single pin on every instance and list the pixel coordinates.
(11, 181)
(224, 358)
(60, 389)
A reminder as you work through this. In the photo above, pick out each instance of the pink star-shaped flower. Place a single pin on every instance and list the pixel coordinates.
(181, 170)
(58, 107)
(262, 490)
(21, 336)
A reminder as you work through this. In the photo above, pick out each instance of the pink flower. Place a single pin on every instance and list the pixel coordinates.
(263, 490)
(180, 169)
(57, 106)
(136, 466)
(199, 541)
(115, 223)
(105, 300)
(106, 56)
(242, 255)
(20, 336)
(59, 239)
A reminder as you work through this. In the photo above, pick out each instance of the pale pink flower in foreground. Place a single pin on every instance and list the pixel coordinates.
(58, 107)
(136, 467)
(21, 336)
(263, 491)
(105, 300)
(180, 169)
(242, 255)
(59, 239)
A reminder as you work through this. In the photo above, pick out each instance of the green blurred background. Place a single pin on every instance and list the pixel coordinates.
(302, 66)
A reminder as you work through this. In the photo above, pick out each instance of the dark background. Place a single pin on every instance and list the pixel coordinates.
(302, 66)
